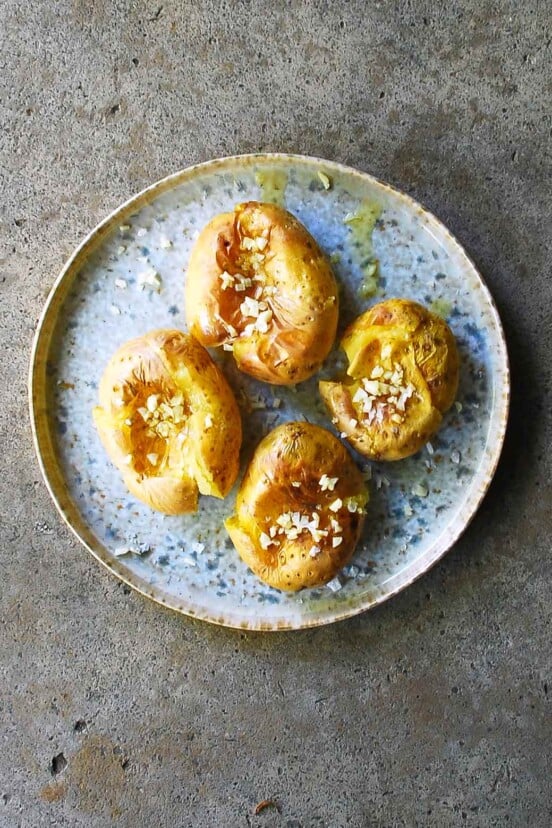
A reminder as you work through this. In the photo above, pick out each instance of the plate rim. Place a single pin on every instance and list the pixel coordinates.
(46, 454)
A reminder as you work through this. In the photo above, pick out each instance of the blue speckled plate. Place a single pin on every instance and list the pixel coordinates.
(418, 506)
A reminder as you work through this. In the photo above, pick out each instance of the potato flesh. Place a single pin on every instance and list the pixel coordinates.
(290, 274)
(298, 453)
(395, 332)
(193, 445)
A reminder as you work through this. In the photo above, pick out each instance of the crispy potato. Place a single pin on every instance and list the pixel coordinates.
(300, 508)
(402, 377)
(169, 421)
(259, 285)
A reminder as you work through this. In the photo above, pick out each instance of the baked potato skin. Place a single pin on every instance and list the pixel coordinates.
(298, 453)
(196, 449)
(289, 273)
(397, 332)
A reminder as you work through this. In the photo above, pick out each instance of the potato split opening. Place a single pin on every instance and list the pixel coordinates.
(169, 421)
(292, 536)
(258, 285)
(402, 376)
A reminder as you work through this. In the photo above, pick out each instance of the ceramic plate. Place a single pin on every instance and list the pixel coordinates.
(418, 506)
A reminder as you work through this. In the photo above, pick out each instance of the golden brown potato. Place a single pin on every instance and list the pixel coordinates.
(169, 421)
(300, 508)
(259, 285)
(402, 376)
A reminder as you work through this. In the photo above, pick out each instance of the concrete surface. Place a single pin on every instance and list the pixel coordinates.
(433, 710)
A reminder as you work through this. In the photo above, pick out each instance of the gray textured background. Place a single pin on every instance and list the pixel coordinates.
(433, 710)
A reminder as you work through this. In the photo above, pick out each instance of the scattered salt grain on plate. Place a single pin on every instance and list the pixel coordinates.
(150, 279)
(142, 549)
(326, 180)
(420, 490)
(335, 584)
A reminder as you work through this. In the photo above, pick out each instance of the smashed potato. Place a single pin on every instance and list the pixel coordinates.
(169, 421)
(402, 377)
(300, 508)
(258, 285)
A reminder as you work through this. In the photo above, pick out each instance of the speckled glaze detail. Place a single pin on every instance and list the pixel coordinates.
(418, 506)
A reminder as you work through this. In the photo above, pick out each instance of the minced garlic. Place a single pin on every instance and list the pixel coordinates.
(327, 483)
